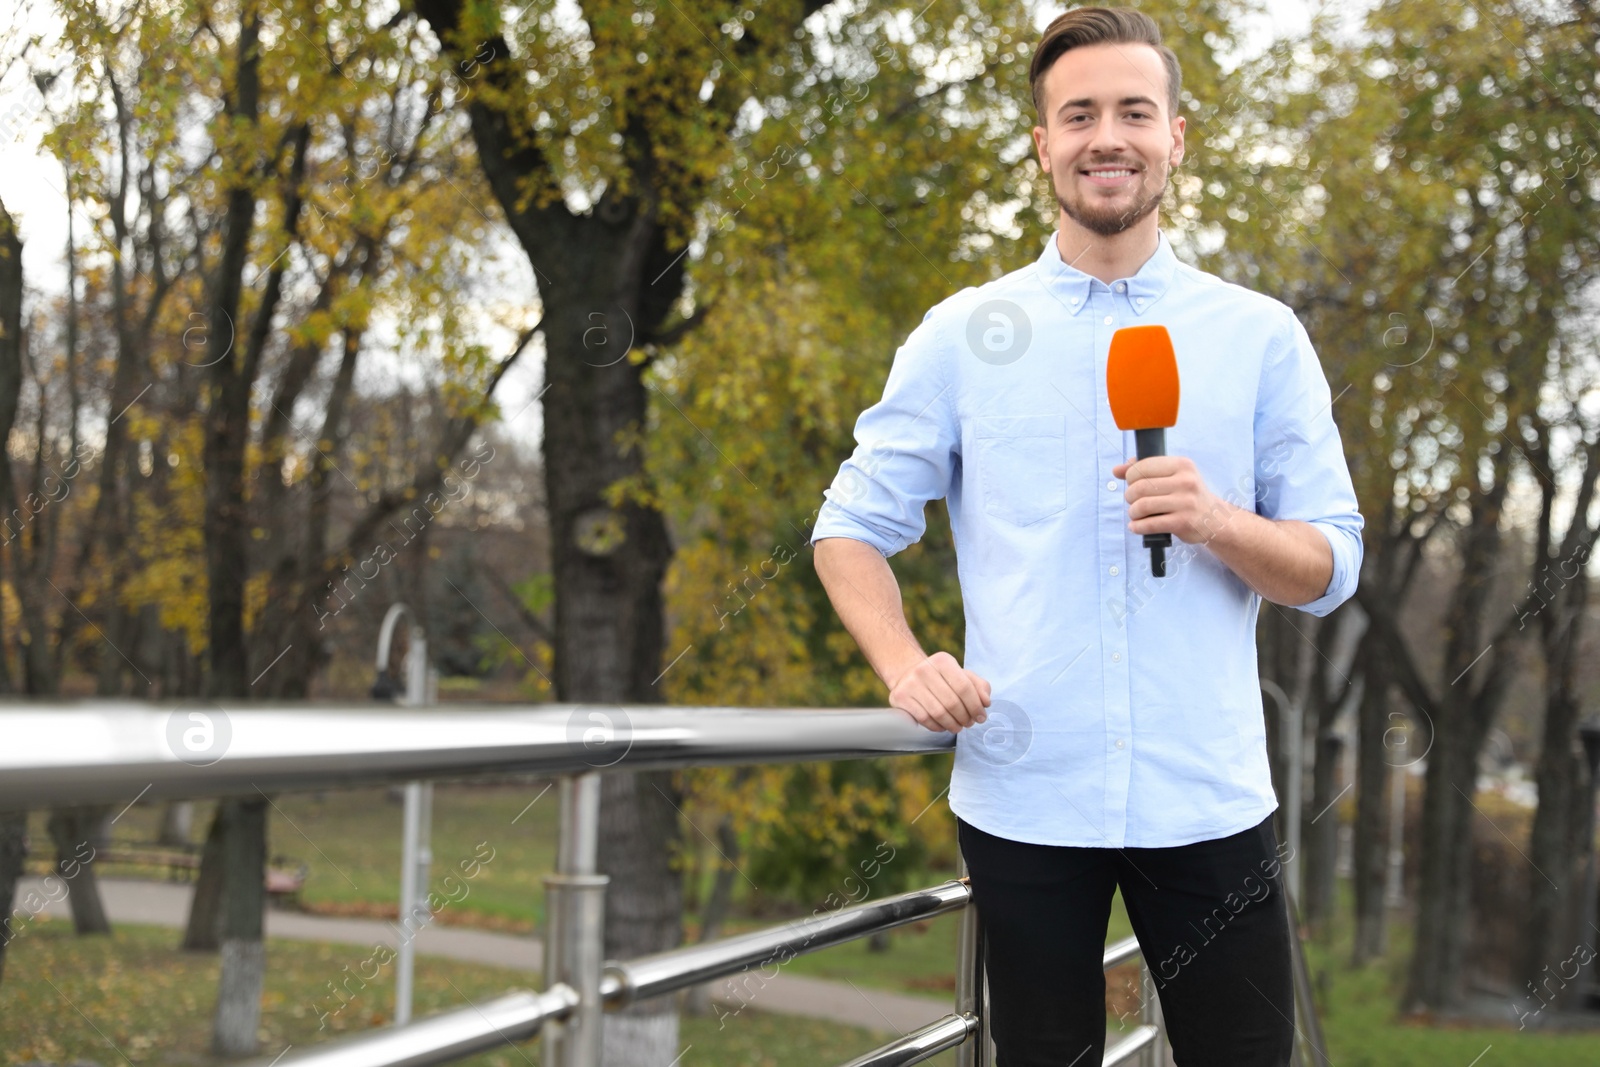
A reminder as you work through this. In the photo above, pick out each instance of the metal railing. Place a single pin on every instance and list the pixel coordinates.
(109, 751)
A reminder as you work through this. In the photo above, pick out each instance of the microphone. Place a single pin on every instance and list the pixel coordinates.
(1142, 383)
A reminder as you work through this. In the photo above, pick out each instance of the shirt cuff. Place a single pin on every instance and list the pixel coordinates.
(1346, 548)
(834, 521)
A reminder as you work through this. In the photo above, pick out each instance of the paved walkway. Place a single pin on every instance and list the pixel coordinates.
(167, 904)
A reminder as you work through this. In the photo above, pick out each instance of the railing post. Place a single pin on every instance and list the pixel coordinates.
(972, 992)
(575, 925)
(416, 856)
(1155, 1054)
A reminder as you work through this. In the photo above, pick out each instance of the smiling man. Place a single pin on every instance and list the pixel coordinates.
(1109, 724)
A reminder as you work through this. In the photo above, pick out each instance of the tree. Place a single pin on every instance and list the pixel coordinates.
(271, 247)
(1562, 842)
(78, 834)
(620, 247)
(10, 371)
(1455, 260)
(13, 824)
(13, 851)
(1537, 254)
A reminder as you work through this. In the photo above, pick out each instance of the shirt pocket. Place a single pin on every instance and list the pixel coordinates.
(1022, 460)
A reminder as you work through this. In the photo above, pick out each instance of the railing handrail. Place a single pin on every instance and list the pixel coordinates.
(679, 968)
(460, 1032)
(110, 750)
(104, 751)
(441, 1037)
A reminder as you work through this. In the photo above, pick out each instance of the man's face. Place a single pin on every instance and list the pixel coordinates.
(1108, 141)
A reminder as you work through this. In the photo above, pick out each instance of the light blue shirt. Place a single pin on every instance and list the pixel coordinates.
(1126, 708)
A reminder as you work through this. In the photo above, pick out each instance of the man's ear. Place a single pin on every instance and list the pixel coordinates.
(1178, 125)
(1041, 145)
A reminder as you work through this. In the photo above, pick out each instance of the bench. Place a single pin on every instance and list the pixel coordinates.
(180, 864)
(284, 880)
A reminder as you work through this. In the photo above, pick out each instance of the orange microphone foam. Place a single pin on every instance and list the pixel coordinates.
(1142, 378)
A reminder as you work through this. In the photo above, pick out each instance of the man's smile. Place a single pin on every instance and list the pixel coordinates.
(1109, 176)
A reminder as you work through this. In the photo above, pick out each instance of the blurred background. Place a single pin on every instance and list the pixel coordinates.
(553, 322)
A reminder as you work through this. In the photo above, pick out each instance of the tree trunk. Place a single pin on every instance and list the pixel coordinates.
(110, 675)
(234, 354)
(1462, 716)
(1323, 691)
(201, 934)
(77, 835)
(1449, 730)
(13, 851)
(1445, 867)
(618, 277)
(104, 547)
(1322, 836)
(1563, 826)
(10, 383)
(177, 822)
(608, 566)
(1373, 758)
(299, 578)
(1277, 661)
(227, 418)
(1557, 849)
(243, 900)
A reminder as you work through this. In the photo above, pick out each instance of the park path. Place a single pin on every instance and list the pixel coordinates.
(167, 904)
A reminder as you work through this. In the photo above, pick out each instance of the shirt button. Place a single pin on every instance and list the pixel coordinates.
(1112, 485)
(1113, 570)
(1119, 742)
(1108, 320)
(1121, 288)
(1138, 300)
(1116, 657)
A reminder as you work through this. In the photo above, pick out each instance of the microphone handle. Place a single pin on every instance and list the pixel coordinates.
(1153, 442)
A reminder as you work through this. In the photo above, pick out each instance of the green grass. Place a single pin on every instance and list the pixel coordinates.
(1364, 1028)
(753, 1039)
(134, 998)
(349, 841)
(921, 958)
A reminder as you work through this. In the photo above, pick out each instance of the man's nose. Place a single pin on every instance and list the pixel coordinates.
(1108, 138)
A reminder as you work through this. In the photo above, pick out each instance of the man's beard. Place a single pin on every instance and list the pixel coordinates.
(1110, 223)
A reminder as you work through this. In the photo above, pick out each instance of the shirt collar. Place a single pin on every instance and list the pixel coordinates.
(1073, 286)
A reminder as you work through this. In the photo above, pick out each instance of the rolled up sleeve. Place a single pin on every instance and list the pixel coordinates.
(905, 454)
(1301, 471)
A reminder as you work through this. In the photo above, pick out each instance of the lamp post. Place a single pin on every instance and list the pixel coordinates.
(416, 854)
(1394, 889)
(1589, 732)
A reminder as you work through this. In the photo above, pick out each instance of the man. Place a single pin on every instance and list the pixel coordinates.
(1109, 723)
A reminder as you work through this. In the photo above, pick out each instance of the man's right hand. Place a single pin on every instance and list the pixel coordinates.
(941, 694)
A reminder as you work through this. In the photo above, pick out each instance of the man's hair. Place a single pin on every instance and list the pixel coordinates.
(1100, 25)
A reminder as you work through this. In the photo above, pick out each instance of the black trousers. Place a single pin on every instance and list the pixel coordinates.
(1210, 919)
